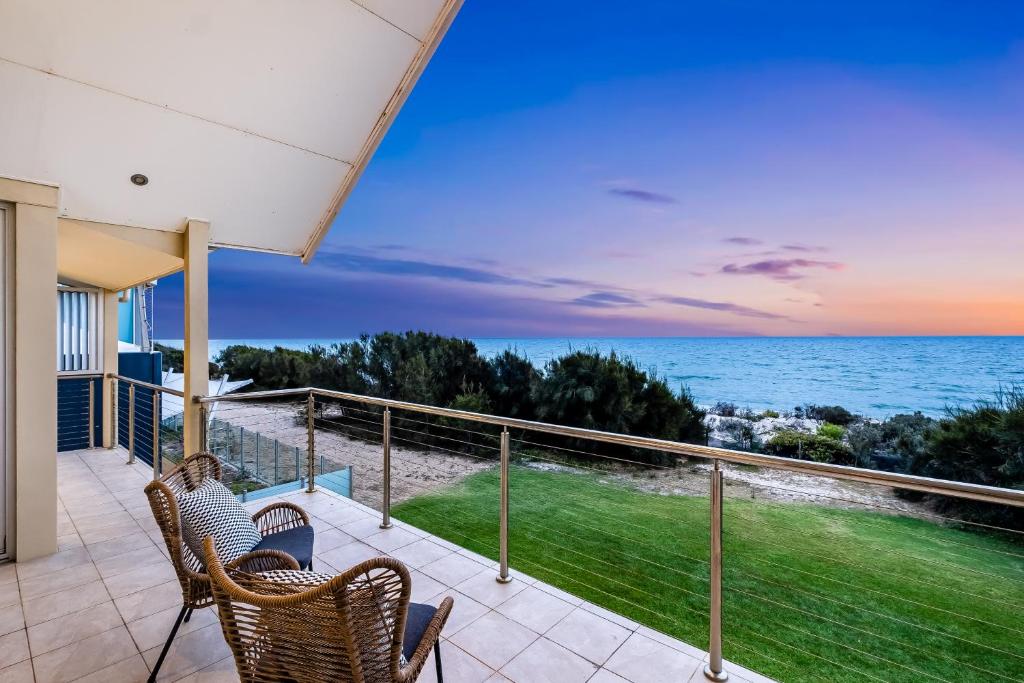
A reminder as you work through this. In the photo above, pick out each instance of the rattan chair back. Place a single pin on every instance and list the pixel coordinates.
(163, 499)
(307, 628)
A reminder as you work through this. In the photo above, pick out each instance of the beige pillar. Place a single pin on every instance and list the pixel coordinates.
(197, 342)
(109, 366)
(33, 441)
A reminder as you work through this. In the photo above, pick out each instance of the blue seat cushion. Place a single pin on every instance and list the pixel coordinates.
(415, 624)
(297, 542)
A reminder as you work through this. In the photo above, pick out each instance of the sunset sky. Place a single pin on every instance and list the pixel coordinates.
(677, 168)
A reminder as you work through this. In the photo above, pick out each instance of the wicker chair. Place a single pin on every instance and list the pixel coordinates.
(309, 628)
(195, 582)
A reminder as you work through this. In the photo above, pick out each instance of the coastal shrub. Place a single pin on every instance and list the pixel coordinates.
(865, 441)
(582, 389)
(768, 415)
(741, 436)
(837, 415)
(513, 383)
(473, 401)
(174, 359)
(724, 408)
(982, 444)
(831, 431)
(609, 393)
(793, 444)
(905, 436)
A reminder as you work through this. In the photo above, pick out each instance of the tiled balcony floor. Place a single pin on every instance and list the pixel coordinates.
(100, 608)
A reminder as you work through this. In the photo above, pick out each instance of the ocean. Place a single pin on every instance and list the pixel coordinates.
(873, 376)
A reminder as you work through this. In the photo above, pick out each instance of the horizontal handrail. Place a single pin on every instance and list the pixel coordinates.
(146, 385)
(77, 374)
(955, 489)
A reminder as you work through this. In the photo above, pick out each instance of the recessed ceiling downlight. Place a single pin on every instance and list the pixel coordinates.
(139, 179)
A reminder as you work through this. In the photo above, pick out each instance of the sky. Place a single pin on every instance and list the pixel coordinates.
(732, 168)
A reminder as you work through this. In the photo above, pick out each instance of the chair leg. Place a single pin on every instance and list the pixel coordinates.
(167, 645)
(437, 660)
(188, 615)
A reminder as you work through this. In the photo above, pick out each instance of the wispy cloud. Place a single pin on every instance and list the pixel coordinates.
(606, 300)
(804, 248)
(746, 241)
(780, 269)
(724, 306)
(364, 263)
(642, 195)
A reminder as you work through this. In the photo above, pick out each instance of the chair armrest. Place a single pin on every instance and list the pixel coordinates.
(426, 644)
(278, 517)
(263, 561)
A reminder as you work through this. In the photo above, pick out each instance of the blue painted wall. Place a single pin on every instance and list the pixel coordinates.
(73, 419)
(126, 319)
(145, 367)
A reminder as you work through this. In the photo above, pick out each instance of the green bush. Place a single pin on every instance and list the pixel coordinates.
(580, 389)
(982, 444)
(831, 431)
(837, 415)
(608, 393)
(174, 359)
(865, 441)
(768, 414)
(793, 444)
(512, 385)
(741, 436)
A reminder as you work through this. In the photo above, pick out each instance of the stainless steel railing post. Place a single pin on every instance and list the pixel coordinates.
(92, 407)
(131, 423)
(503, 576)
(311, 453)
(385, 522)
(113, 413)
(156, 435)
(204, 428)
(714, 671)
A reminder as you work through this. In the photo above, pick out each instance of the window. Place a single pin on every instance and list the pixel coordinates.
(79, 330)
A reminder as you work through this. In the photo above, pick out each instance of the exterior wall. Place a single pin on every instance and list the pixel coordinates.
(33, 436)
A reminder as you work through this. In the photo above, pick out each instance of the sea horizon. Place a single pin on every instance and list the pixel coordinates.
(873, 375)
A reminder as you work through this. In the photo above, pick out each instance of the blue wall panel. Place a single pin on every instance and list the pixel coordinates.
(73, 419)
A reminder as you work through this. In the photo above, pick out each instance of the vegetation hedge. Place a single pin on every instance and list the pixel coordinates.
(982, 444)
(580, 389)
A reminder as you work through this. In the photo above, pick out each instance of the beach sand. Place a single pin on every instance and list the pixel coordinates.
(417, 470)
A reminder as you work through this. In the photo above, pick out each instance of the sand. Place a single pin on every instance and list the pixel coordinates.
(417, 470)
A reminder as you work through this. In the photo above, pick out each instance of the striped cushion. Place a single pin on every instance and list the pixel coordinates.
(212, 510)
(299, 578)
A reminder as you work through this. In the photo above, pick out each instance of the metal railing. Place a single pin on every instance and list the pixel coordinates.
(137, 421)
(637, 568)
(79, 410)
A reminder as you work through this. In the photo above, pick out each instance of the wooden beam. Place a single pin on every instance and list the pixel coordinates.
(197, 329)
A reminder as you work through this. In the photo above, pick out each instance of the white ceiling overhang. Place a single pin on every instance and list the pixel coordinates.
(257, 115)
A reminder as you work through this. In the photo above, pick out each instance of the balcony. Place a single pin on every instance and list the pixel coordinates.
(100, 608)
(626, 555)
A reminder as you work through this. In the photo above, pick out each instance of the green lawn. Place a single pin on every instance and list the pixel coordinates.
(810, 593)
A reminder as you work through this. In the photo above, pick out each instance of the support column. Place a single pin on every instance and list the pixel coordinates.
(32, 405)
(109, 366)
(197, 335)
